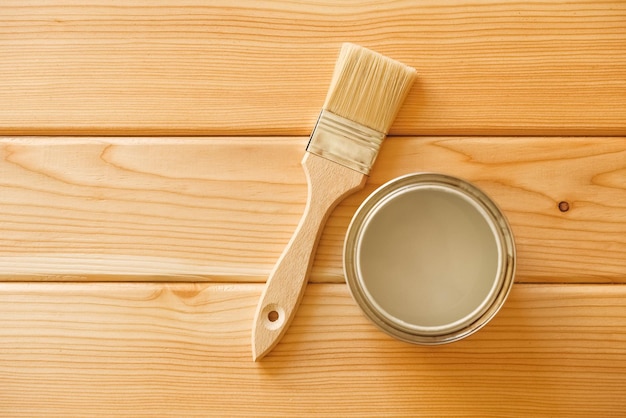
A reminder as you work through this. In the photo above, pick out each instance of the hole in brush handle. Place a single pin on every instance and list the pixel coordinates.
(273, 316)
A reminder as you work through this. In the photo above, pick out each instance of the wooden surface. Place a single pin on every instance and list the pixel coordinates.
(215, 68)
(131, 262)
(223, 209)
(183, 350)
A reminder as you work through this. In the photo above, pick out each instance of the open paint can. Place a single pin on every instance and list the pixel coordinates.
(429, 258)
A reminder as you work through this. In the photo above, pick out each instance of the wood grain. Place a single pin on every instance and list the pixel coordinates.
(495, 67)
(223, 209)
(144, 349)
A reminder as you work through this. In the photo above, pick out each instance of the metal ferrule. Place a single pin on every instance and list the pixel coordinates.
(345, 142)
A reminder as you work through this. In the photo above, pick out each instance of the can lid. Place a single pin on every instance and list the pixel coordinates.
(429, 258)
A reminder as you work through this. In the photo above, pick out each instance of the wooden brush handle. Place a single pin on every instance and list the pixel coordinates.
(328, 184)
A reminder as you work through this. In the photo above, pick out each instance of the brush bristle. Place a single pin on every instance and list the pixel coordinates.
(368, 88)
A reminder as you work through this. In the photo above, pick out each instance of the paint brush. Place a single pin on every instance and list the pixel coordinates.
(366, 92)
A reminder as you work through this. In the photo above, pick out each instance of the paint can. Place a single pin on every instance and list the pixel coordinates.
(429, 258)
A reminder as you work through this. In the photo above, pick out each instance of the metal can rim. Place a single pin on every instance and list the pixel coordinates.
(406, 332)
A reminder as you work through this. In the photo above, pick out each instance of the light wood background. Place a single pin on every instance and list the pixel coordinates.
(150, 177)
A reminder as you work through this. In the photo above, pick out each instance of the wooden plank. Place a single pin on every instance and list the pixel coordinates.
(223, 209)
(263, 67)
(149, 349)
